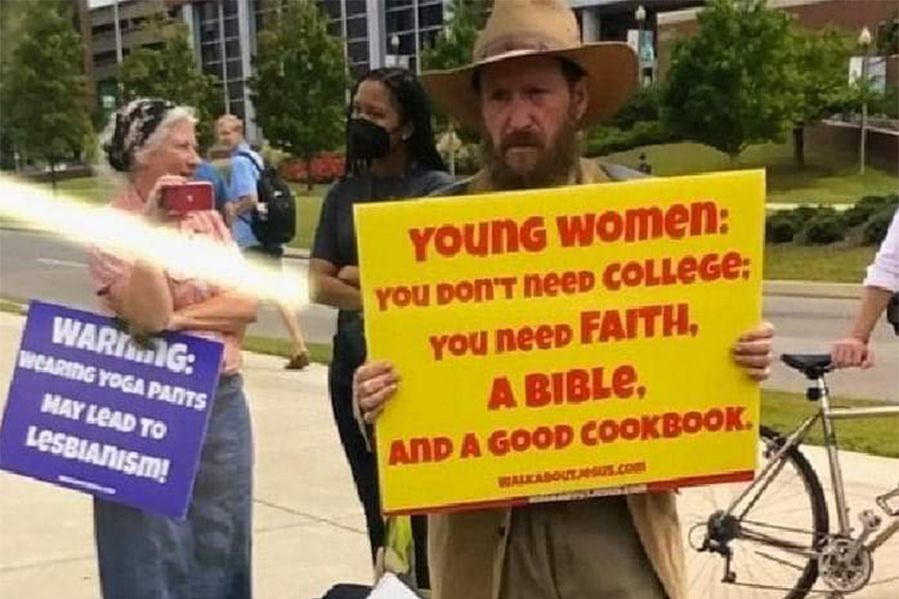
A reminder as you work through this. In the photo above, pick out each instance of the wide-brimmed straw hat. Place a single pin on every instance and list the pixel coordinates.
(518, 28)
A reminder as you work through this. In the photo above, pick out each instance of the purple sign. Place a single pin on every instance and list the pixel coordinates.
(90, 410)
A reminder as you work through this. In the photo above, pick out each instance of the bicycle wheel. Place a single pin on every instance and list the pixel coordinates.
(778, 527)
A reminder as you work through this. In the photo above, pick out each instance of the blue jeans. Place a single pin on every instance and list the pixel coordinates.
(205, 556)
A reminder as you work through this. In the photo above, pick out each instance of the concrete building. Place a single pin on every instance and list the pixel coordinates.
(115, 28)
(375, 32)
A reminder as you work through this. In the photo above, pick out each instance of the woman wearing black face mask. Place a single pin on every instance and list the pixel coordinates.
(390, 155)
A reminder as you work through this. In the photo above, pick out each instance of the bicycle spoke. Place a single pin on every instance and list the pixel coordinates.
(774, 532)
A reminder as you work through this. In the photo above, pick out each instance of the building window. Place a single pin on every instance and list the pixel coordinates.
(103, 59)
(102, 29)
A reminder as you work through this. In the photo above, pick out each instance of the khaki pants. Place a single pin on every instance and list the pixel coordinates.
(577, 550)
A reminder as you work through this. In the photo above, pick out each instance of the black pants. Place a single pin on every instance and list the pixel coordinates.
(362, 461)
(363, 464)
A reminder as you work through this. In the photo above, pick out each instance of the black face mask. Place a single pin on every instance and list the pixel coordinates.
(368, 140)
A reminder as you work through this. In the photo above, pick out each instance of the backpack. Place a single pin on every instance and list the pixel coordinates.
(276, 223)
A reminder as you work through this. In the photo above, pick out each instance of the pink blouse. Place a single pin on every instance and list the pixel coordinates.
(110, 273)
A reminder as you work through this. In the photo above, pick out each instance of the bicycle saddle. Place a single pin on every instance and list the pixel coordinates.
(812, 365)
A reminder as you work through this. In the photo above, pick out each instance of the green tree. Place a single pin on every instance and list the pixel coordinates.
(44, 93)
(168, 69)
(820, 66)
(732, 84)
(888, 37)
(454, 45)
(300, 82)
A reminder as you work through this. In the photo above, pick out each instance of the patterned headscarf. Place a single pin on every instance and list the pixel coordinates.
(134, 124)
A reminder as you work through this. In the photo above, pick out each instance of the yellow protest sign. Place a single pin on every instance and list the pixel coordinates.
(564, 341)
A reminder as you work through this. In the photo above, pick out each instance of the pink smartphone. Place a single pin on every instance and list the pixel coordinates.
(189, 197)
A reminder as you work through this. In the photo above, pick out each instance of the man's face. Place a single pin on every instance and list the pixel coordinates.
(228, 135)
(529, 111)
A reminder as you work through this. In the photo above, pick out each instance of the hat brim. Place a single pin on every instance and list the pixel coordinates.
(611, 69)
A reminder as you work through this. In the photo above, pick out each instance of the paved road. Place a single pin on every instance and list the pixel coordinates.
(41, 266)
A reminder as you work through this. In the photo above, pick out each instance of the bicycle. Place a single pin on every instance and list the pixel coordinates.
(773, 535)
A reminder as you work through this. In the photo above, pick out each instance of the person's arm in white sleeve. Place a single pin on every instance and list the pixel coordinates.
(880, 284)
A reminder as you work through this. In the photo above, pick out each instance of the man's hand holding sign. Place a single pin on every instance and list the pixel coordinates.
(562, 341)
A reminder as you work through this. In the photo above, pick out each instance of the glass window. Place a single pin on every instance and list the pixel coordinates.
(359, 69)
(103, 28)
(209, 32)
(234, 69)
(429, 37)
(209, 10)
(238, 109)
(430, 16)
(102, 59)
(231, 27)
(358, 51)
(235, 90)
(401, 20)
(355, 7)
(335, 29)
(330, 8)
(210, 53)
(356, 28)
(229, 7)
(232, 48)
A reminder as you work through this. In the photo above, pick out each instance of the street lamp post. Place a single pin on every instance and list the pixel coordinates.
(451, 134)
(640, 15)
(864, 40)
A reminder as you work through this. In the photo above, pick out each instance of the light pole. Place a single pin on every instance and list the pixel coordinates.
(451, 133)
(640, 15)
(864, 40)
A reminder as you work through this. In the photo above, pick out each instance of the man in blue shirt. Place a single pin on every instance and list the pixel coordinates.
(242, 200)
(207, 172)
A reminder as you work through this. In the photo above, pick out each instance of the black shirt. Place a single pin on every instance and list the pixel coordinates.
(335, 237)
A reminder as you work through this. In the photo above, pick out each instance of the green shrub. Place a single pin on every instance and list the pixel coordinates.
(804, 213)
(866, 207)
(780, 227)
(823, 228)
(606, 140)
(643, 106)
(875, 229)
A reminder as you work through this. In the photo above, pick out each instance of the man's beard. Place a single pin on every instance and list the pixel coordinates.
(554, 166)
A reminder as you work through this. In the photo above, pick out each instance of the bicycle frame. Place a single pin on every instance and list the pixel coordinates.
(827, 414)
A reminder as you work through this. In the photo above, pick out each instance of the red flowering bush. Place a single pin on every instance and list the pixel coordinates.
(325, 168)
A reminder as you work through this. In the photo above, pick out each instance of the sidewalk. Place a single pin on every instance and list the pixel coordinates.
(309, 530)
(308, 527)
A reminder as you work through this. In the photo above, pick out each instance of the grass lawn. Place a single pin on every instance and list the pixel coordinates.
(827, 178)
(879, 436)
(308, 209)
(318, 352)
(817, 263)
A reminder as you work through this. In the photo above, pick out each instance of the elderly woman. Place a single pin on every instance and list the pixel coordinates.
(207, 555)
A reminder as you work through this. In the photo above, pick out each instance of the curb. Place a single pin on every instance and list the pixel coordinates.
(296, 253)
(812, 289)
(778, 207)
